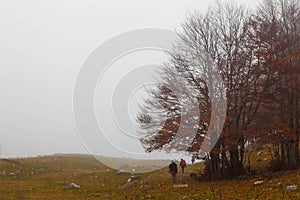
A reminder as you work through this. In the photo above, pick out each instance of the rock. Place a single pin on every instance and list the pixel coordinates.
(73, 186)
(134, 177)
(180, 186)
(291, 187)
(129, 184)
(12, 174)
(130, 181)
(279, 183)
(257, 183)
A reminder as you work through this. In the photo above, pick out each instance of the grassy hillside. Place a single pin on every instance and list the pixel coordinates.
(133, 165)
(47, 177)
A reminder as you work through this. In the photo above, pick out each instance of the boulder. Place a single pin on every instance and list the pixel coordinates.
(257, 183)
(73, 186)
(291, 187)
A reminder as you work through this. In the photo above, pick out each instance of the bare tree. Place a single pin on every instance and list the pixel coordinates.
(257, 57)
(277, 31)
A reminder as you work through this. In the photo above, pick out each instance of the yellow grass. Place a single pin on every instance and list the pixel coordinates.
(48, 177)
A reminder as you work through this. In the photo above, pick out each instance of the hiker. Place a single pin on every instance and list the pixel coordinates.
(173, 170)
(182, 165)
(193, 159)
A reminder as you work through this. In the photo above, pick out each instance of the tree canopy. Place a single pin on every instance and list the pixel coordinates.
(231, 83)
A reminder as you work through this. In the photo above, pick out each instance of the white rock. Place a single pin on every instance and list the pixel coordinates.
(256, 183)
(291, 187)
(73, 186)
(180, 186)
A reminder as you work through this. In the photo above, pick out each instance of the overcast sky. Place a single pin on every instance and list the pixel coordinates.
(43, 45)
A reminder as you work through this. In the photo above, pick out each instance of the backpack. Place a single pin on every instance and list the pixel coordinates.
(183, 163)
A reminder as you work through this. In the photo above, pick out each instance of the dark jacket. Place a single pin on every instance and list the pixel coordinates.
(173, 168)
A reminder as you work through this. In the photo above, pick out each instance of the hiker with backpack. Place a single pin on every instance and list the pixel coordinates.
(182, 165)
(173, 170)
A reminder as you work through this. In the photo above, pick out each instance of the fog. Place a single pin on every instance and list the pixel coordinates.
(43, 46)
